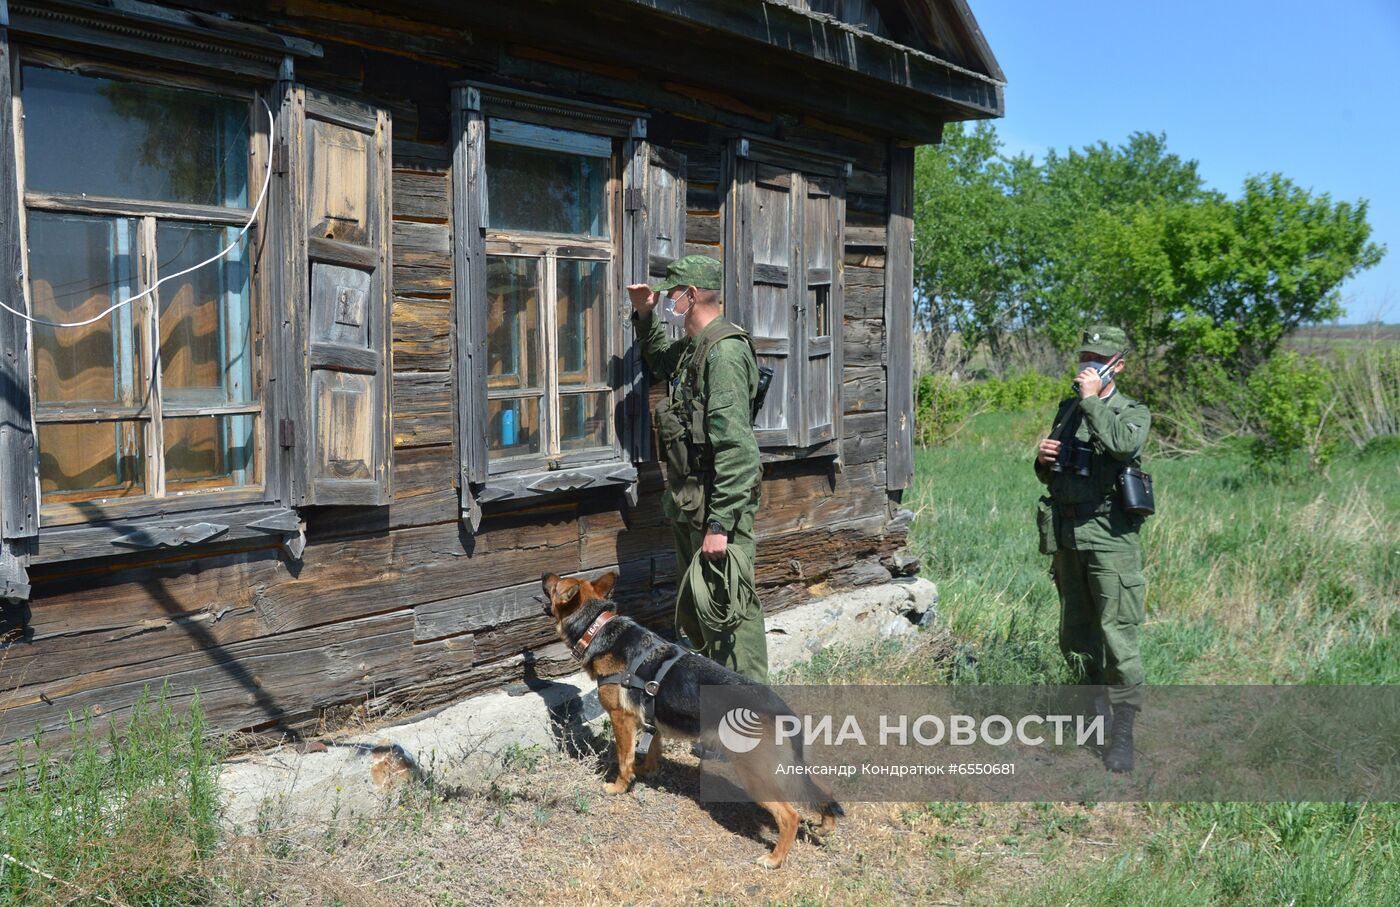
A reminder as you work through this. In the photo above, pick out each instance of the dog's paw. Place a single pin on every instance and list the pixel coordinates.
(769, 861)
(616, 787)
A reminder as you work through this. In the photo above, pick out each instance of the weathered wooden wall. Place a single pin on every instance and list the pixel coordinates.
(398, 607)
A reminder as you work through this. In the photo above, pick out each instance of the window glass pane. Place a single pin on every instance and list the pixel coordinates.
(820, 309)
(531, 190)
(157, 142)
(209, 451)
(79, 266)
(582, 288)
(820, 228)
(81, 460)
(583, 421)
(513, 427)
(513, 322)
(206, 343)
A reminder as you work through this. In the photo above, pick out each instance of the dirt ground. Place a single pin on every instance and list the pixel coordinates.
(544, 832)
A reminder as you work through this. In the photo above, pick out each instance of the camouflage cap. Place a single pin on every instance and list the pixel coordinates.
(700, 271)
(1103, 340)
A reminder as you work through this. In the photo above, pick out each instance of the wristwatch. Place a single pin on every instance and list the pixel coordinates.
(716, 526)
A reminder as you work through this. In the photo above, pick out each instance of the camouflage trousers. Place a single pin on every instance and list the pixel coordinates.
(744, 648)
(1102, 596)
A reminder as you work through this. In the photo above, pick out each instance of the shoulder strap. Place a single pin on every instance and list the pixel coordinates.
(701, 354)
(1070, 416)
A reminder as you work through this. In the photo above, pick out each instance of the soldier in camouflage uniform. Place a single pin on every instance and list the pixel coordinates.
(707, 439)
(1097, 554)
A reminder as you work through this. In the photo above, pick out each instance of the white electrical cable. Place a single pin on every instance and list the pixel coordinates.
(267, 179)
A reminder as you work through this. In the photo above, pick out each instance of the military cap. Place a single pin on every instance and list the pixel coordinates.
(699, 271)
(1103, 340)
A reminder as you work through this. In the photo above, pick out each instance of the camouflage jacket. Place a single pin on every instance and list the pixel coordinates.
(1116, 427)
(725, 389)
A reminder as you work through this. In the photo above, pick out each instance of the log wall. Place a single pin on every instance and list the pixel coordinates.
(397, 607)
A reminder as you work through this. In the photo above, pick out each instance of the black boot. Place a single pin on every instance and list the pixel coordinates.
(1120, 743)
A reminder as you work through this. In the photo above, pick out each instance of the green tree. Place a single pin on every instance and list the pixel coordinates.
(961, 219)
(1293, 251)
(1225, 280)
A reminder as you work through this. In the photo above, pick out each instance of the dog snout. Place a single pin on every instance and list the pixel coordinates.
(545, 605)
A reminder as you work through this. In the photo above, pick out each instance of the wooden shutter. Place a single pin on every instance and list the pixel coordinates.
(819, 306)
(786, 218)
(771, 228)
(19, 499)
(656, 188)
(469, 295)
(344, 164)
(665, 214)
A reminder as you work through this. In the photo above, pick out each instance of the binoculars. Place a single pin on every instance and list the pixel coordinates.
(1075, 456)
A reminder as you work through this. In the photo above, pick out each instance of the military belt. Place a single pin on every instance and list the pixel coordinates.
(1085, 509)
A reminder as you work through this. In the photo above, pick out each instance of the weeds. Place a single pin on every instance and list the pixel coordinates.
(128, 817)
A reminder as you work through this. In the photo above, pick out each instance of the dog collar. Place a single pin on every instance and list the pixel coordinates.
(598, 622)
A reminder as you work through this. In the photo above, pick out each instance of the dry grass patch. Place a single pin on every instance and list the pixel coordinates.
(543, 832)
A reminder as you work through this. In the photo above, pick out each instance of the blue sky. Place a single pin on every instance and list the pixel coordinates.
(1311, 90)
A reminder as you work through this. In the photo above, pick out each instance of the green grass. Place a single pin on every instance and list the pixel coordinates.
(128, 815)
(1251, 579)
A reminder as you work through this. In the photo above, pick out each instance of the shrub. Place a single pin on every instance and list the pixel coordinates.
(943, 405)
(1291, 406)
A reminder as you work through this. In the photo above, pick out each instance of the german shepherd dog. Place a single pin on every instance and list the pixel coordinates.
(581, 608)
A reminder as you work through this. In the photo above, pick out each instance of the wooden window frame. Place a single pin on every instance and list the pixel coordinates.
(742, 159)
(151, 415)
(549, 249)
(118, 49)
(553, 470)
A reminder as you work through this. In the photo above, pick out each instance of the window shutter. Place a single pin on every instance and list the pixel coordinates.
(657, 209)
(344, 158)
(820, 306)
(770, 228)
(665, 207)
(785, 218)
(469, 288)
(19, 505)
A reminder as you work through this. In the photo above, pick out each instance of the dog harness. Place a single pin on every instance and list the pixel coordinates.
(630, 677)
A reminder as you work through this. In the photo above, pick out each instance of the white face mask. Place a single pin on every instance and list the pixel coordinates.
(669, 313)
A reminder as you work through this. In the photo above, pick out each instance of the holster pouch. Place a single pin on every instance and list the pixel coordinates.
(1045, 525)
(686, 488)
(674, 434)
(1135, 491)
(689, 495)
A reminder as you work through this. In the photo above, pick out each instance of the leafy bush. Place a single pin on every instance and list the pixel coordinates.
(1291, 405)
(943, 404)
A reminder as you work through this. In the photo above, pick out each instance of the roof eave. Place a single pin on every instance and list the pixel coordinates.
(828, 41)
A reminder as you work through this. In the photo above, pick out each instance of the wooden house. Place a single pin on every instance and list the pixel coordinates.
(319, 477)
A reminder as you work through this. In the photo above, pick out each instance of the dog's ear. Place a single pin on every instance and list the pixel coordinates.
(549, 581)
(603, 585)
